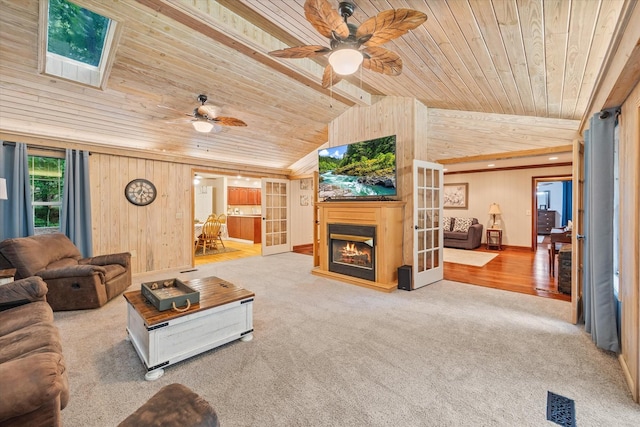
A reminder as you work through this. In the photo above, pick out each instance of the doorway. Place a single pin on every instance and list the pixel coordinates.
(552, 202)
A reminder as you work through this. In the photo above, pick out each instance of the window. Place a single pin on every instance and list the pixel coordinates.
(78, 42)
(46, 176)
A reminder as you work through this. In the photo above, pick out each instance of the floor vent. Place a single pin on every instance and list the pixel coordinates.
(561, 410)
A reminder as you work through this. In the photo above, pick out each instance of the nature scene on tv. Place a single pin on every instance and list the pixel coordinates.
(361, 169)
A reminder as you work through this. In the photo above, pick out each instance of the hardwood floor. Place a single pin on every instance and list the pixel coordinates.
(515, 269)
(244, 250)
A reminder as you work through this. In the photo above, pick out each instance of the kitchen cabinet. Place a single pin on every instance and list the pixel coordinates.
(245, 227)
(244, 196)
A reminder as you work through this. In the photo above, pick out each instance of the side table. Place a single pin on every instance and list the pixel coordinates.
(6, 275)
(494, 238)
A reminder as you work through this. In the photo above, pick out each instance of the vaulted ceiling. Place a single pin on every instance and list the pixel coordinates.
(497, 75)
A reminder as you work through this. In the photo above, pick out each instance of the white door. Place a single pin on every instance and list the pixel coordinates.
(275, 216)
(427, 231)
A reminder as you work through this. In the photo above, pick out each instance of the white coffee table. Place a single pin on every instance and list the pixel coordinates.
(162, 338)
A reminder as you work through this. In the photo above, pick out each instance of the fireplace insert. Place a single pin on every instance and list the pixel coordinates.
(352, 250)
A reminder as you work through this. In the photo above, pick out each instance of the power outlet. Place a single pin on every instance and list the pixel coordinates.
(528, 212)
(179, 215)
(133, 253)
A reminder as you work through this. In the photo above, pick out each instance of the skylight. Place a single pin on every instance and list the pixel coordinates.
(77, 42)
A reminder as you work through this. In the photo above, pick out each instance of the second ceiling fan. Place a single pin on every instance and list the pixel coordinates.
(352, 45)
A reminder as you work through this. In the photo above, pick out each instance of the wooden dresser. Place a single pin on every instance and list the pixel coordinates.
(547, 220)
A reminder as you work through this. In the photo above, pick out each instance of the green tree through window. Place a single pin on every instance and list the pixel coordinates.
(75, 32)
(46, 176)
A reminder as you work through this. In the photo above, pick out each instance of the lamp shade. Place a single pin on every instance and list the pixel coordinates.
(203, 127)
(345, 61)
(494, 209)
(3, 189)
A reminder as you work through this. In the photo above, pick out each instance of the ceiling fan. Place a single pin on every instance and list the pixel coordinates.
(352, 45)
(206, 118)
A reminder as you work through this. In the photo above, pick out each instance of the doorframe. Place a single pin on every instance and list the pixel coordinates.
(534, 202)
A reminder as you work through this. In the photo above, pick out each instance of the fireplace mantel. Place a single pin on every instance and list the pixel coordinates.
(387, 217)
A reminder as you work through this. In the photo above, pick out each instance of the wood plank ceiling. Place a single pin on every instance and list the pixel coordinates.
(498, 75)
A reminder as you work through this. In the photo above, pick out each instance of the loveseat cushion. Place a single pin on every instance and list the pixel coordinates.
(34, 253)
(456, 235)
(446, 223)
(113, 270)
(462, 224)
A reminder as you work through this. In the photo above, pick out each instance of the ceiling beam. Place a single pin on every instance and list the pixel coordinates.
(208, 26)
(508, 155)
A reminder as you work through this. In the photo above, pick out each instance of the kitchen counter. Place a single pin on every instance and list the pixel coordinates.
(245, 214)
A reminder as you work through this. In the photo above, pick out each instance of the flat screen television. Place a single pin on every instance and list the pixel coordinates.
(361, 170)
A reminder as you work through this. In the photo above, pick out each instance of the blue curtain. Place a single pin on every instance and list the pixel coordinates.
(75, 215)
(599, 300)
(567, 202)
(16, 215)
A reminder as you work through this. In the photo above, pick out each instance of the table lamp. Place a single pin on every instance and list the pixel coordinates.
(494, 210)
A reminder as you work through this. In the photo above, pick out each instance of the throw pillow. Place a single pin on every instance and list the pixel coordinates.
(462, 224)
(446, 223)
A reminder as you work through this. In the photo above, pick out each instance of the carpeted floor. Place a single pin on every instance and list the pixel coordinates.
(467, 257)
(218, 250)
(326, 353)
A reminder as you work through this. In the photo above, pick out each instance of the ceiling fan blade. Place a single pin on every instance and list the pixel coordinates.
(227, 121)
(388, 25)
(382, 60)
(300, 51)
(210, 111)
(325, 19)
(329, 77)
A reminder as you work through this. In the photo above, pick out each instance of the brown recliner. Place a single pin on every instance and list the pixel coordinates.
(74, 283)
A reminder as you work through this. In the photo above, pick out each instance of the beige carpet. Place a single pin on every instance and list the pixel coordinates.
(467, 257)
(326, 354)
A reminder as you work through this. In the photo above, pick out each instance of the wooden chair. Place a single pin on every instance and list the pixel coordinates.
(209, 236)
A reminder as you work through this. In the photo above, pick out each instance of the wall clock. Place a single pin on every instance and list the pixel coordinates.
(140, 192)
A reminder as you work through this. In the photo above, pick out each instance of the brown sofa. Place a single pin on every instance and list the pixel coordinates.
(74, 282)
(469, 239)
(34, 386)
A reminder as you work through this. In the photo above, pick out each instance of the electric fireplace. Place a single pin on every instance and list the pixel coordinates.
(352, 250)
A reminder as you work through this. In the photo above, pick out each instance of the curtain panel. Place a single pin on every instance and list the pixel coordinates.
(16, 215)
(75, 215)
(600, 305)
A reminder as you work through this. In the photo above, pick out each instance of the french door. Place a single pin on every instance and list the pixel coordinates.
(275, 216)
(427, 231)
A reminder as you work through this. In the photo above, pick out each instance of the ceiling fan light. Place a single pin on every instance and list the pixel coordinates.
(203, 127)
(345, 61)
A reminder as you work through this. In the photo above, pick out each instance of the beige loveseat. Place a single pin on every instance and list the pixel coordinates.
(74, 282)
(34, 386)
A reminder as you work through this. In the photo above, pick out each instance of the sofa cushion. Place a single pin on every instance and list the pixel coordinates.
(39, 379)
(462, 224)
(25, 315)
(32, 339)
(446, 223)
(34, 253)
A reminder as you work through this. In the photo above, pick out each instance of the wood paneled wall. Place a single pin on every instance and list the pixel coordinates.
(629, 250)
(159, 235)
(407, 119)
